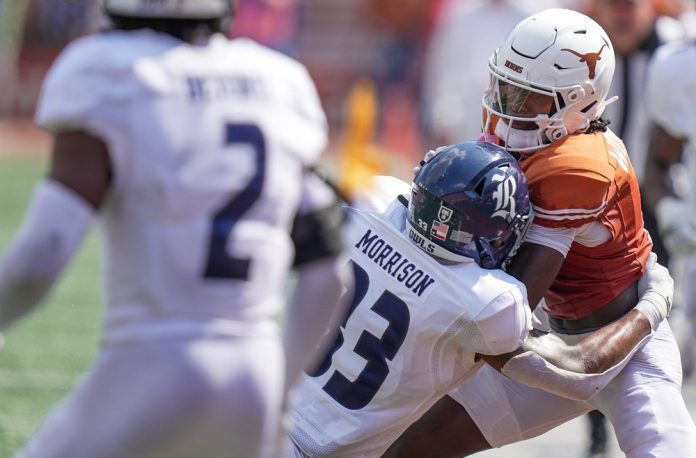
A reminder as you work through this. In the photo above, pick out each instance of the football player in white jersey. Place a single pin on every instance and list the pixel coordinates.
(193, 154)
(671, 92)
(431, 302)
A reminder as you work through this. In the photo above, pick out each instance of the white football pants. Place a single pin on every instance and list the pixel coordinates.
(218, 397)
(643, 403)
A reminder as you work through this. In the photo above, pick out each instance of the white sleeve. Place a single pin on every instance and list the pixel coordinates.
(670, 81)
(558, 238)
(53, 228)
(502, 326)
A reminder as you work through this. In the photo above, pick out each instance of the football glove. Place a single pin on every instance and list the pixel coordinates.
(676, 229)
(656, 289)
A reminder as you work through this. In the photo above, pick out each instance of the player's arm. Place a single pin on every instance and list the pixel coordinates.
(664, 151)
(55, 223)
(672, 117)
(579, 371)
(676, 229)
(536, 266)
(322, 276)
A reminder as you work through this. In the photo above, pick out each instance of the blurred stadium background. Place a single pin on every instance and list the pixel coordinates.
(366, 57)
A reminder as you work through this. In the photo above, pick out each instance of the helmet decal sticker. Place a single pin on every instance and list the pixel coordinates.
(513, 67)
(444, 214)
(504, 197)
(589, 58)
(440, 230)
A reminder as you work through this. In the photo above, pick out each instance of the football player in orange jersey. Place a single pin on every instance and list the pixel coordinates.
(583, 254)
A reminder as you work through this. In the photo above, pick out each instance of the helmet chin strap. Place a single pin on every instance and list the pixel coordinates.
(516, 138)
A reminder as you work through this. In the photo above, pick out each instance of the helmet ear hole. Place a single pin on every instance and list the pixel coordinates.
(478, 189)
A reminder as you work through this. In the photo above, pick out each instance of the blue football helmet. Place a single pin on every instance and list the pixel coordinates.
(470, 200)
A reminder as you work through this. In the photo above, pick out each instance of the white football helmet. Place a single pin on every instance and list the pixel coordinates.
(549, 79)
(171, 9)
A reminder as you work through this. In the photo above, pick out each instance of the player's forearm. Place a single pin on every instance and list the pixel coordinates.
(577, 371)
(53, 229)
(608, 346)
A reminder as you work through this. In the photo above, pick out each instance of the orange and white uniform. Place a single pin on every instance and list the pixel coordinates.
(587, 206)
(577, 183)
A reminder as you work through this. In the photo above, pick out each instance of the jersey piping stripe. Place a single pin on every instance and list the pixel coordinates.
(587, 211)
(568, 214)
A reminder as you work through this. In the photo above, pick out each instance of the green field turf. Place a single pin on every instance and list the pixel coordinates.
(46, 353)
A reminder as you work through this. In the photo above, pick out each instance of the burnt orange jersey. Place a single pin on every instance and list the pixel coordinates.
(578, 180)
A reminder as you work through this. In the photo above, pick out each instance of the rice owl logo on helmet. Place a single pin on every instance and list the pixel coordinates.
(470, 201)
(505, 197)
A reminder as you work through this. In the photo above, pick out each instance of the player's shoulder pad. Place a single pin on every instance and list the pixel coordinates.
(505, 322)
(673, 66)
(380, 193)
(670, 76)
(570, 181)
(91, 75)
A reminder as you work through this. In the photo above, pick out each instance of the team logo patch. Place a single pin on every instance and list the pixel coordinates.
(439, 230)
(444, 214)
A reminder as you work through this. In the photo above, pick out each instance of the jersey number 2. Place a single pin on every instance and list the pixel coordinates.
(375, 350)
(220, 263)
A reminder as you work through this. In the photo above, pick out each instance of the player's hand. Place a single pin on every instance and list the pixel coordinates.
(428, 156)
(676, 229)
(656, 289)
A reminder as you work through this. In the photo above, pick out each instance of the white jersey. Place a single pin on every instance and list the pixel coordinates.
(412, 333)
(208, 147)
(671, 92)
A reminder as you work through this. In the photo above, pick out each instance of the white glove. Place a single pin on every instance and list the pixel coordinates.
(676, 229)
(655, 288)
(428, 156)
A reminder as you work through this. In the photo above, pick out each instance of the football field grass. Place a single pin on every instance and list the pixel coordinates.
(46, 353)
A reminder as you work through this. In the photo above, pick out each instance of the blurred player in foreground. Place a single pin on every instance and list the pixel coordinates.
(431, 301)
(584, 253)
(193, 153)
(671, 93)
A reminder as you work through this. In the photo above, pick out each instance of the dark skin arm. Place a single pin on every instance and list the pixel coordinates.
(537, 267)
(664, 151)
(80, 162)
(594, 354)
